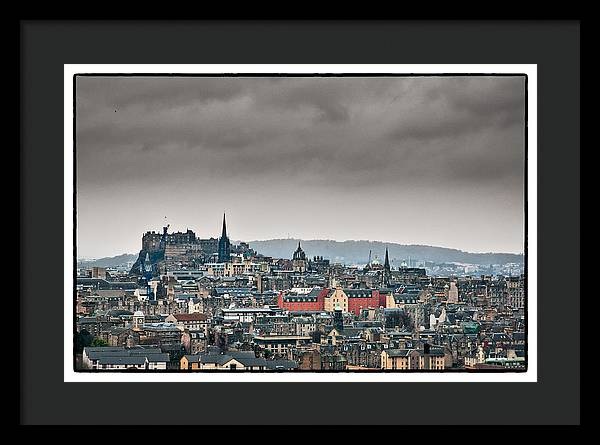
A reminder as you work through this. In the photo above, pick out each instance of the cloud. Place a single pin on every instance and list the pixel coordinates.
(336, 135)
(451, 108)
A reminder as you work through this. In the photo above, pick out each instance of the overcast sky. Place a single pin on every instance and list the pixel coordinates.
(425, 160)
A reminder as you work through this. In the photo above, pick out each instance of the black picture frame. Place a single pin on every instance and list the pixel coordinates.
(46, 46)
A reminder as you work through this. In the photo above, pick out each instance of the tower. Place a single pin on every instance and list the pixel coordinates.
(299, 260)
(386, 269)
(163, 238)
(368, 266)
(452, 293)
(138, 320)
(224, 245)
(338, 319)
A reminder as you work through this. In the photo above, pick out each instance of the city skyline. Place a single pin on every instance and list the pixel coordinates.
(135, 250)
(428, 160)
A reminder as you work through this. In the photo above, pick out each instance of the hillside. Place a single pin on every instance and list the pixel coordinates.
(108, 261)
(357, 252)
(350, 252)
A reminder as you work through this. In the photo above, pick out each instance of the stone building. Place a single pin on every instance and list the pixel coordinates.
(299, 260)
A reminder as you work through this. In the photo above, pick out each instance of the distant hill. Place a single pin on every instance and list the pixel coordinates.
(109, 261)
(357, 252)
(349, 252)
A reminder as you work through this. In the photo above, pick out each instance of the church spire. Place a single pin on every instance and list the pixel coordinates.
(224, 232)
(224, 250)
(386, 269)
(299, 253)
(386, 264)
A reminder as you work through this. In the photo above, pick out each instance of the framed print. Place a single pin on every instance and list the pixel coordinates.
(267, 217)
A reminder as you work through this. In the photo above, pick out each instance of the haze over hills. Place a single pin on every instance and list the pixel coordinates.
(108, 261)
(351, 252)
(357, 252)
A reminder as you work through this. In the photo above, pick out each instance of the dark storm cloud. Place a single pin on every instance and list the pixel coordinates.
(455, 107)
(154, 92)
(361, 124)
(343, 135)
(321, 95)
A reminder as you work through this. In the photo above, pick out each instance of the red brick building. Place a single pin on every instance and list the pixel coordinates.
(364, 298)
(349, 300)
(313, 301)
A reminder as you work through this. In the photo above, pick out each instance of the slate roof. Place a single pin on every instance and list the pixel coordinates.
(436, 352)
(398, 352)
(144, 351)
(254, 362)
(122, 360)
(351, 332)
(219, 359)
(118, 312)
(246, 358)
(315, 292)
(518, 336)
(194, 358)
(233, 291)
(160, 357)
(160, 327)
(355, 293)
(105, 352)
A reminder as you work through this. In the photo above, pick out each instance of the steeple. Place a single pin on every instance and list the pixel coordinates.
(224, 232)
(224, 245)
(386, 264)
(299, 253)
(386, 269)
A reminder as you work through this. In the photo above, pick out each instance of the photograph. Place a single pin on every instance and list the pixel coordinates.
(340, 223)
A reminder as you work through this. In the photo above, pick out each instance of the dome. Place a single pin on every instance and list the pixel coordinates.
(138, 314)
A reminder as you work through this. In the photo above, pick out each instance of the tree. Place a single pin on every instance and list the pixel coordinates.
(83, 339)
(400, 320)
(99, 342)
